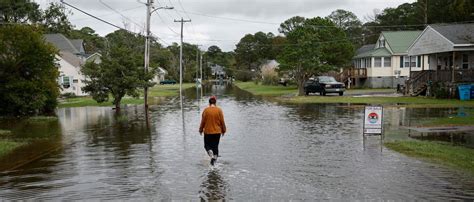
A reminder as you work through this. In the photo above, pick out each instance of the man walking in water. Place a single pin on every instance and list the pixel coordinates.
(213, 126)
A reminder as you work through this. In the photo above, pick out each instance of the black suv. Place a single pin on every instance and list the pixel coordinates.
(323, 85)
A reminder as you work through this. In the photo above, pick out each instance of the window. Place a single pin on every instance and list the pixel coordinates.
(75, 81)
(377, 62)
(465, 61)
(368, 62)
(381, 43)
(387, 61)
(413, 61)
(66, 82)
(406, 61)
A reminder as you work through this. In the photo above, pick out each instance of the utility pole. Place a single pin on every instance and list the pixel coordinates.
(182, 21)
(426, 12)
(147, 47)
(149, 11)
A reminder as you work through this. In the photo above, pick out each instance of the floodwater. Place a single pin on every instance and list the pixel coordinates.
(272, 151)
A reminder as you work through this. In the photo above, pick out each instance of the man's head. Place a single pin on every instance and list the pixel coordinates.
(212, 100)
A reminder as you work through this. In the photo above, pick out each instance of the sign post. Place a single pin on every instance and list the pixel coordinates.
(373, 122)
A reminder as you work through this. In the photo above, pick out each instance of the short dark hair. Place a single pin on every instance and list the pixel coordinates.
(212, 100)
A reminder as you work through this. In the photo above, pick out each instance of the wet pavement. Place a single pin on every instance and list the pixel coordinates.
(272, 151)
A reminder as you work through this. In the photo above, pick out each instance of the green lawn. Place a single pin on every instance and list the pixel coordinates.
(6, 146)
(438, 152)
(265, 90)
(291, 92)
(156, 91)
(453, 120)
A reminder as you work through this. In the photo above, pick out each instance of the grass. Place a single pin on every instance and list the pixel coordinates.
(455, 120)
(5, 133)
(279, 91)
(156, 91)
(258, 89)
(7, 146)
(457, 157)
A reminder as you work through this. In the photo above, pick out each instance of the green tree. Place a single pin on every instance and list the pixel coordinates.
(121, 71)
(28, 72)
(55, 19)
(92, 41)
(349, 22)
(315, 47)
(19, 11)
(291, 24)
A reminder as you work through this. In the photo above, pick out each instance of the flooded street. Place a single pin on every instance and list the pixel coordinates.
(271, 151)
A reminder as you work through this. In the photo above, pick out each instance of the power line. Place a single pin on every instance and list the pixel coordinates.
(129, 9)
(109, 23)
(192, 25)
(118, 12)
(97, 18)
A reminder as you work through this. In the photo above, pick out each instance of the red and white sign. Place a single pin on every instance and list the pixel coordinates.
(373, 120)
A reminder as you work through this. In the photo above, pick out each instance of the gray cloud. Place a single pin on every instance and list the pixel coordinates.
(215, 30)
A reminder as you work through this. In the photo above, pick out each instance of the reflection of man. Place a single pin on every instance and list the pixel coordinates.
(213, 125)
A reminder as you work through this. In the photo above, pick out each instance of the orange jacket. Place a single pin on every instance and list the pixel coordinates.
(212, 121)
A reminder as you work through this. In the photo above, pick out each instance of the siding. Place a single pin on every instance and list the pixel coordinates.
(430, 42)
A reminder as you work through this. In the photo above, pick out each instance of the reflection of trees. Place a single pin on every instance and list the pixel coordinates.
(213, 187)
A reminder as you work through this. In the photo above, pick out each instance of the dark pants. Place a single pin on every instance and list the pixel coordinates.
(211, 142)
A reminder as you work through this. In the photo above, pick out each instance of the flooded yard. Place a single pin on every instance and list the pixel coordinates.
(271, 151)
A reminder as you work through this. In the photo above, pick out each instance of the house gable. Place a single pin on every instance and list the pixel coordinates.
(430, 41)
(398, 42)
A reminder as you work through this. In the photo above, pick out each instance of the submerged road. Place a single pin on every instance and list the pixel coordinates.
(271, 151)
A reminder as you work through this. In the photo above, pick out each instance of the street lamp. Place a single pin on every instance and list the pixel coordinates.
(149, 11)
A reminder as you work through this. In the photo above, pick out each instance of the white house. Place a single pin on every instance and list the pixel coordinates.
(160, 75)
(70, 60)
(450, 49)
(387, 63)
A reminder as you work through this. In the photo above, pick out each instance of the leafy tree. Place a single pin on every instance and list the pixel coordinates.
(291, 24)
(349, 22)
(28, 72)
(315, 47)
(121, 71)
(254, 50)
(55, 19)
(19, 11)
(92, 41)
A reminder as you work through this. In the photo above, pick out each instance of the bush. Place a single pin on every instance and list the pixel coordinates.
(269, 75)
(440, 90)
(244, 76)
(28, 72)
(68, 95)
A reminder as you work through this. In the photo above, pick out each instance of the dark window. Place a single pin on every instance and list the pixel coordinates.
(401, 61)
(465, 61)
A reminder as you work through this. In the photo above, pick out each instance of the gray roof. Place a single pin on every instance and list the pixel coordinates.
(456, 33)
(62, 43)
(78, 44)
(365, 48)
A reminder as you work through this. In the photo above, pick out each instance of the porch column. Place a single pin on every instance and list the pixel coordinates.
(452, 70)
(436, 67)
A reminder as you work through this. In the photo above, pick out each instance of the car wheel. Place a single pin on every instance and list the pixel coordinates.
(324, 93)
(306, 92)
(341, 93)
(320, 92)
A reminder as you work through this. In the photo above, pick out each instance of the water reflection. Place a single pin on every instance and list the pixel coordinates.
(272, 151)
(213, 186)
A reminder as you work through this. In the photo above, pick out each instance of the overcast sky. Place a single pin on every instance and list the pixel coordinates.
(214, 22)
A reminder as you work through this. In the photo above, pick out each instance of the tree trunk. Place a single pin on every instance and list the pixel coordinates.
(117, 101)
(301, 87)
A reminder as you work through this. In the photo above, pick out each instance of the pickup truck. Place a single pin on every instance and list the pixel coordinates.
(324, 85)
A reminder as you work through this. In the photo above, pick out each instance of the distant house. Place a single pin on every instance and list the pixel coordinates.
(70, 60)
(450, 49)
(386, 63)
(218, 71)
(160, 75)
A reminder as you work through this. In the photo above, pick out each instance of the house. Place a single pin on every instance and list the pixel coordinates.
(71, 57)
(160, 75)
(386, 64)
(450, 49)
(218, 71)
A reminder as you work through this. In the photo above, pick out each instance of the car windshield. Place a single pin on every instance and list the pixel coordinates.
(326, 79)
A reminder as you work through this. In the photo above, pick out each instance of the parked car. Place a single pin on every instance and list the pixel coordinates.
(324, 85)
(283, 82)
(170, 81)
